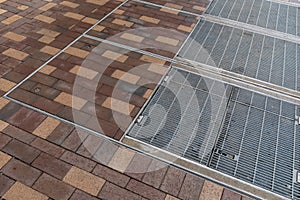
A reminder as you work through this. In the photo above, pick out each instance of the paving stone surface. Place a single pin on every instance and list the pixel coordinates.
(44, 157)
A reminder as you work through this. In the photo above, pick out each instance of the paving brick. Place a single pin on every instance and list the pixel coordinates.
(77, 52)
(21, 172)
(51, 165)
(4, 140)
(115, 56)
(150, 19)
(230, 195)
(118, 105)
(71, 101)
(121, 159)
(3, 125)
(47, 147)
(105, 152)
(53, 188)
(74, 15)
(145, 190)
(173, 181)
(111, 175)
(11, 19)
(69, 4)
(113, 192)
(5, 184)
(14, 36)
(74, 140)
(84, 72)
(90, 146)
(22, 151)
(169, 197)
(78, 161)
(46, 127)
(26, 119)
(4, 158)
(47, 6)
(79, 195)
(22, 192)
(191, 187)
(61, 132)
(84, 181)
(155, 173)
(50, 50)
(3, 102)
(6, 85)
(19, 134)
(44, 18)
(138, 166)
(211, 191)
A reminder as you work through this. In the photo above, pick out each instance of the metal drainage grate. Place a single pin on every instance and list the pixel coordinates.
(249, 136)
(263, 13)
(250, 54)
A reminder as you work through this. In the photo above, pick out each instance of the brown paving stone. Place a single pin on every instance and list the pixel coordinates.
(52, 166)
(21, 172)
(19, 134)
(3, 125)
(173, 181)
(230, 195)
(138, 166)
(90, 146)
(53, 188)
(155, 173)
(169, 197)
(145, 190)
(4, 158)
(121, 159)
(211, 191)
(22, 151)
(79, 195)
(14, 36)
(11, 19)
(47, 147)
(61, 132)
(19, 55)
(6, 85)
(84, 181)
(78, 161)
(111, 175)
(191, 187)
(113, 192)
(105, 152)
(27, 119)
(3, 102)
(5, 184)
(74, 140)
(21, 192)
(46, 127)
(4, 140)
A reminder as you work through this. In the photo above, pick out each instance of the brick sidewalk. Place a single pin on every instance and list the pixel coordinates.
(44, 158)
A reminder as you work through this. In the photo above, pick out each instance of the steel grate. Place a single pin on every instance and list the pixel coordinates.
(263, 13)
(265, 58)
(247, 135)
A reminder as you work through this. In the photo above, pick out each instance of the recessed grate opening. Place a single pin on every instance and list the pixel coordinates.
(262, 13)
(246, 135)
(251, 54)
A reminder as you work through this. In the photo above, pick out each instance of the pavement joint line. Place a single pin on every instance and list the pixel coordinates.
(162, 6)
(252, 28)
(288, 3)
(161, 153)
(61, 51)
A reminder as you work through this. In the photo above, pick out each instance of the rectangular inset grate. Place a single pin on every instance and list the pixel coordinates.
(244, 134)
(254, 55)
(263, 13)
